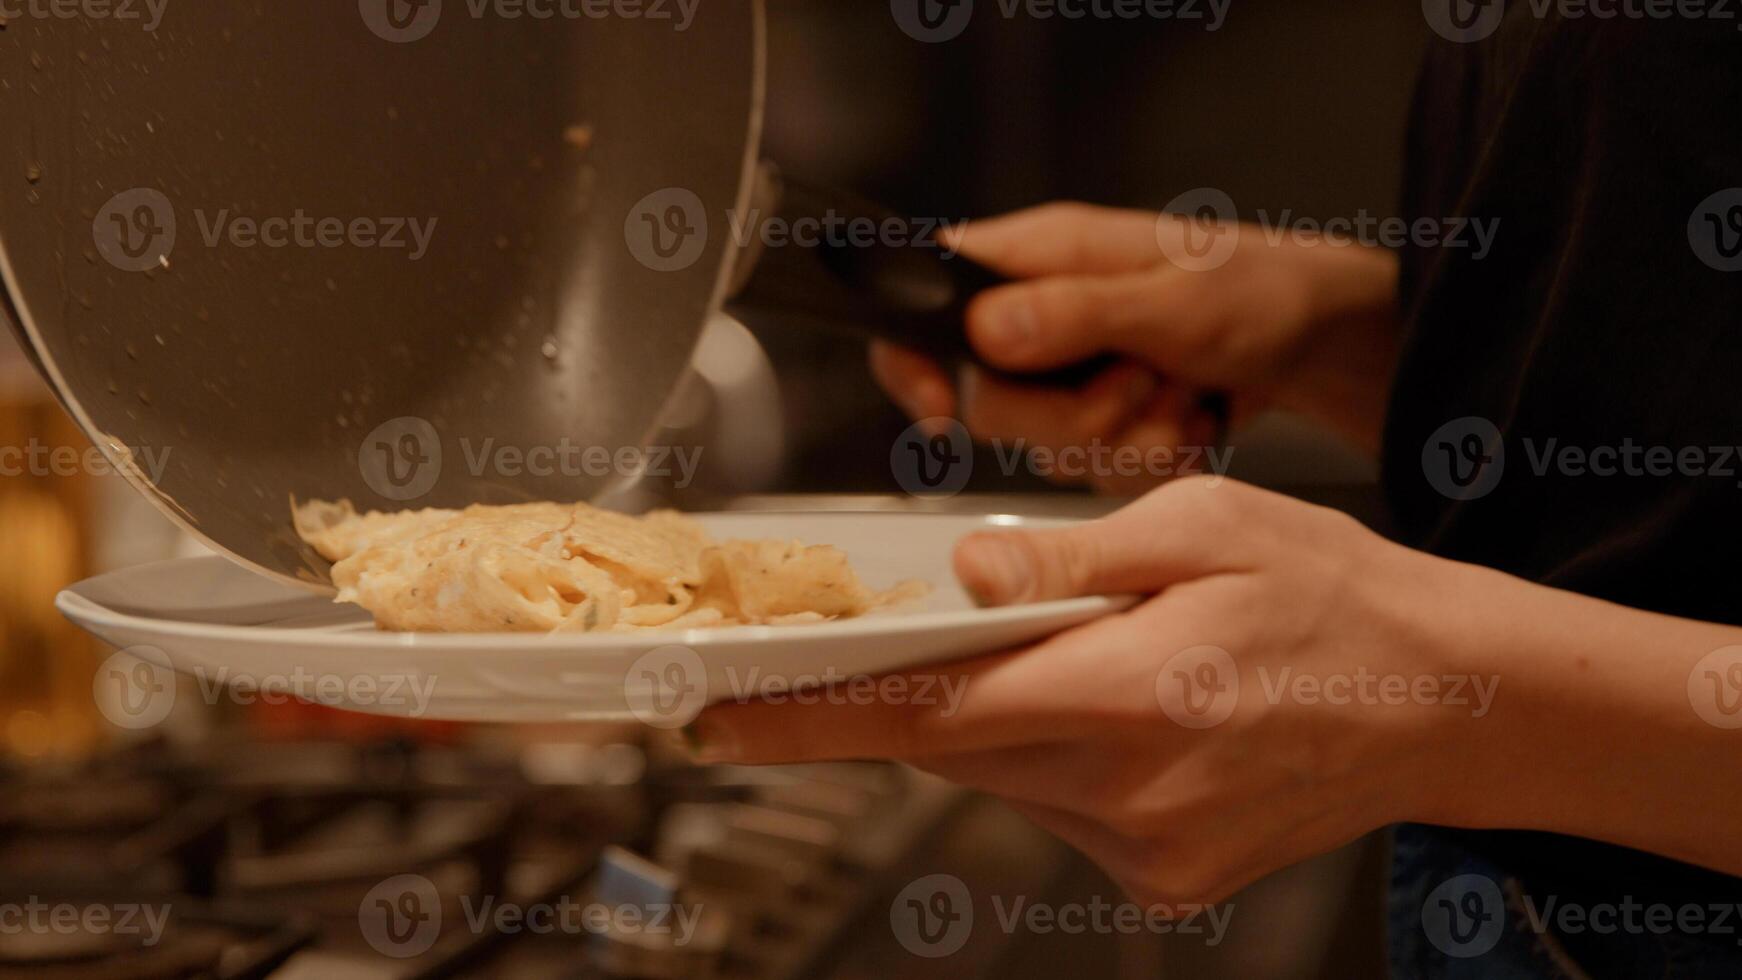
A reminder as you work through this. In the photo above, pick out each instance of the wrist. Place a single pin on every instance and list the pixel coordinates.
(1346, 355)
(1436, 741)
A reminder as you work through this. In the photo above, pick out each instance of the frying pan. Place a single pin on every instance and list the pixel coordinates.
(273, 250)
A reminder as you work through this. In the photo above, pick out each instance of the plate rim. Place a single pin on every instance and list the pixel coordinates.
(87, 612)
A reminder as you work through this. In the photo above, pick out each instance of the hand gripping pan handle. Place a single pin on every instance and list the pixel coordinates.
(815, 258)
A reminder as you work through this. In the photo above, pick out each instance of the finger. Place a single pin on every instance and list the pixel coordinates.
(1154, 438)
(995, 407)
(1057, 320)
(1160, 432)
(1061, 238)
(1176, 534)
(915, 382)
(990, 703)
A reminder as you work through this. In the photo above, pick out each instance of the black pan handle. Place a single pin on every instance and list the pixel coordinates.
(813, 258)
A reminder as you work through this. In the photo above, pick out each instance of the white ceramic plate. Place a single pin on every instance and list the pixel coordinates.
(227, 626)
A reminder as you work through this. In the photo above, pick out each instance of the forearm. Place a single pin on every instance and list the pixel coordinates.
(1604, 724)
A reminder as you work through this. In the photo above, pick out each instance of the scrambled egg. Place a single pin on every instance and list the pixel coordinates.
(566, 568)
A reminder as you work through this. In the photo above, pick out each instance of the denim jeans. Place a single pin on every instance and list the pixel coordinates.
(1455, 915)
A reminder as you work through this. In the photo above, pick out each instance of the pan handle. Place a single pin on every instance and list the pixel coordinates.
(814, 258)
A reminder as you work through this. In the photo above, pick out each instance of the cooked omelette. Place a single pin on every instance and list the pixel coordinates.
(574, 568)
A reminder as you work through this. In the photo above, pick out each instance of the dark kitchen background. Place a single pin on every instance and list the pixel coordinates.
(1288, 106)
(278, 820)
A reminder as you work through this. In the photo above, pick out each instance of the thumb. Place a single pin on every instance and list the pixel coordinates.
(1141, 550)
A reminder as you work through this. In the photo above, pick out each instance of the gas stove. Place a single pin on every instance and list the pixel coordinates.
(597, 855)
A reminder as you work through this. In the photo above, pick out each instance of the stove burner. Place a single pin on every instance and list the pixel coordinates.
(266, 853)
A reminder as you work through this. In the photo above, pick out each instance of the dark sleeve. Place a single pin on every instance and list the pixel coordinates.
(1605, 315)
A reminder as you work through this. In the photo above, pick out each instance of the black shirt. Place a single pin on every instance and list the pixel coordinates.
(1600, 318)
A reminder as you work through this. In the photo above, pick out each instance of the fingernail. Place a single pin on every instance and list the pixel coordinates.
(1001, 571)
(709, 742)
